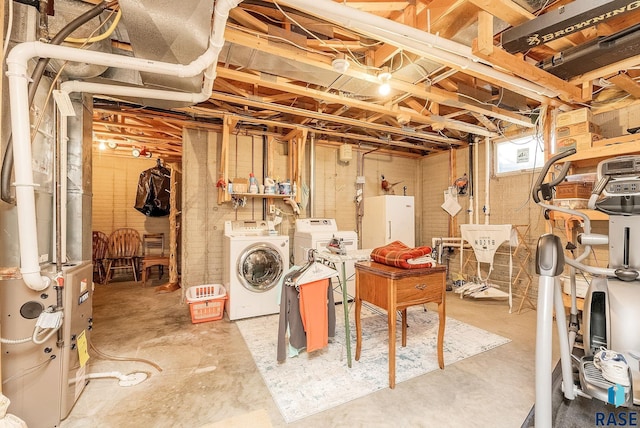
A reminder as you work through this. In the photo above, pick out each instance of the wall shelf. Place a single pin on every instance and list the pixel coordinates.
(260, 195)
(611, 147)
(592, 214)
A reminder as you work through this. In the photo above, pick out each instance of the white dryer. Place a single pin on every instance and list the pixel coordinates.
(315, 233)
(255, 259)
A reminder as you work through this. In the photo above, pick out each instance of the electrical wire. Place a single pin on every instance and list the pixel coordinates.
(302, 27)
(57, 77)
(323, 42)
(100, 37)
(8, 33)
(29, 370)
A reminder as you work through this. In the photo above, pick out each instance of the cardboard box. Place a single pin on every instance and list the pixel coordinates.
(577, 129)
(573, 116)
(574, 190)
(580, 142)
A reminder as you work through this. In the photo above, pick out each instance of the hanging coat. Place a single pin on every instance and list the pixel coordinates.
(152, 198)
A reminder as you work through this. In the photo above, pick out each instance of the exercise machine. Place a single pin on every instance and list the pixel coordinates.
(611, 313)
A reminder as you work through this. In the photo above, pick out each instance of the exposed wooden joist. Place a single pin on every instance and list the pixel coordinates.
(277, 84)
(419, 91)
(626, 83)
(506, 10)
(530, 72)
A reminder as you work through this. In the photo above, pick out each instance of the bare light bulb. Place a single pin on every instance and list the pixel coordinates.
(102, 145)
(385, 88)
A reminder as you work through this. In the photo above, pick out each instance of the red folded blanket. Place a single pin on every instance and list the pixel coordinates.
(399, 255)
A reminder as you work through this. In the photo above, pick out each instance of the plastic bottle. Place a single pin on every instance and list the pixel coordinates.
(253, 184)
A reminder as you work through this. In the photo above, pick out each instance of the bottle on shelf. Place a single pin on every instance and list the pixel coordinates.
(253, 184)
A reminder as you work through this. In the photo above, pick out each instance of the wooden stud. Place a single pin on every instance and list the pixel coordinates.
(485, 32)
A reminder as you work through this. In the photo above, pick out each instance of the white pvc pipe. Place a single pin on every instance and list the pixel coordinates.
(412, 40)
(476, 173)
(17, 61)
(487, 176)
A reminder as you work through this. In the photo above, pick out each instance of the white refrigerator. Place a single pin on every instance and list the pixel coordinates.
(388, 218)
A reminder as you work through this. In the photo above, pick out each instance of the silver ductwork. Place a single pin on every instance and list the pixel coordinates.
(67, 11)
(156, 31)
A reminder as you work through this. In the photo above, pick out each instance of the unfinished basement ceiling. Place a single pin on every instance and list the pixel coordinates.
(275, 70)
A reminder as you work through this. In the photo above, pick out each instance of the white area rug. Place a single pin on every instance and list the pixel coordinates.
(317, 381)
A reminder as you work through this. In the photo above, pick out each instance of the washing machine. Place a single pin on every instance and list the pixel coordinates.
(315, 233)
(255, 259)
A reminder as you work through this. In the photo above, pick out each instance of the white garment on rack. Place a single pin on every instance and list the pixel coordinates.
(485, 239)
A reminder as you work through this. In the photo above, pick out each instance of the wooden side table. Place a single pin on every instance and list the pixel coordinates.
(394, 289)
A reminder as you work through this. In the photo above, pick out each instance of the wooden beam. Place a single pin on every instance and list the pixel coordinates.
(248, 20)
(626, 83)
(418, 91)
(607, 71)
(383, 54)
(173, 227)
(344, 120)
(485, 33)
(507, 10)
(283, 85)
(530, 72)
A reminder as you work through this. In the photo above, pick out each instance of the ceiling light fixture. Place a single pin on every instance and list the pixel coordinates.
(102, 145)
(385, 88)
(112, 144)
(340, 63)
(143, 152)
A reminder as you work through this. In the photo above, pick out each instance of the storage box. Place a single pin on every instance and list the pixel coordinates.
(240, 185)
(573, 116)
(579, 142)
(206, 302)
(574, 189)
(577, 129)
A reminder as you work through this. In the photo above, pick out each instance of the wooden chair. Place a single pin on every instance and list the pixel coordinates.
(124, 251)
(100, 248)
(153, 254)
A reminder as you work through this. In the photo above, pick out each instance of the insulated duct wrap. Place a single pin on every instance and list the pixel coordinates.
(156, 30)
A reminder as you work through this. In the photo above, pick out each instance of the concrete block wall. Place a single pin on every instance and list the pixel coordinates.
(435, 180)
(335, 190)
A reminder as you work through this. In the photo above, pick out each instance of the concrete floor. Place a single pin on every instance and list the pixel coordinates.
(208, 376)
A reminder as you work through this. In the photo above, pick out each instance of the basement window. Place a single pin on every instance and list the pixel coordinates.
(519, 154)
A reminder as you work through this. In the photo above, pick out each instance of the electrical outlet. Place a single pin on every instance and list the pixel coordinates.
(272, 209)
